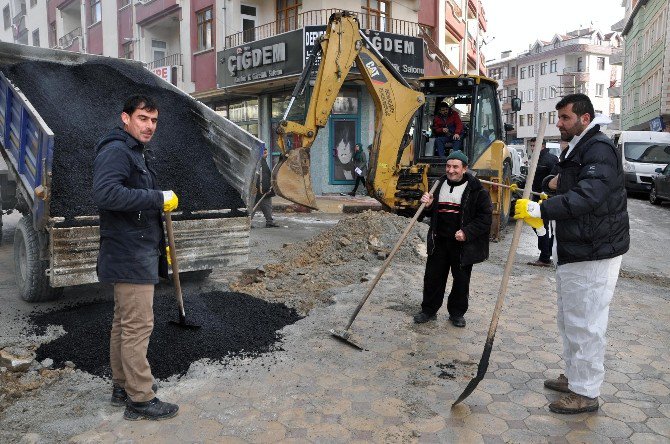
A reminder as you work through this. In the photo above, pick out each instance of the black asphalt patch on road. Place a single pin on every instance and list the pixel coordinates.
(232, 324)
(81, 103)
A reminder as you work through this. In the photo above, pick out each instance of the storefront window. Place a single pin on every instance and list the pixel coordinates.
(244, 114)
(280, 103)
(346, 102)
(297, 114)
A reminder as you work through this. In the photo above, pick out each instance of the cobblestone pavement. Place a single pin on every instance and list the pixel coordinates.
(400, 389)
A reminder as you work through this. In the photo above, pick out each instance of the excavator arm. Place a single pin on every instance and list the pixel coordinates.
(391, 178)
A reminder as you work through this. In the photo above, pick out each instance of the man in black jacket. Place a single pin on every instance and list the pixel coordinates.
(592, 234)
(545, 165)
(458, 237)
(132, 252)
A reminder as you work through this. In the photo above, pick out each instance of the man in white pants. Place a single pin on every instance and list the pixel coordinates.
(592, 234)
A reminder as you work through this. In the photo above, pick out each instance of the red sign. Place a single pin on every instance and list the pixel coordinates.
(164, 72)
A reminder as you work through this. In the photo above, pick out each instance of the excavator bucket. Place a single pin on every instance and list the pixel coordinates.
(291, 178)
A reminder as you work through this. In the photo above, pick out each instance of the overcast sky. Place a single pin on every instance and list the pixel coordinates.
(517, 23)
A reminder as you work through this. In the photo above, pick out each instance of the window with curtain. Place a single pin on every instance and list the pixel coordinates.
(204, 20)
(96, 11)
(376, 14)
(287, 15)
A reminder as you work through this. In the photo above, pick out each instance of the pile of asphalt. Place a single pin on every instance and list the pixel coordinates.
(232, 324)
(81, 103)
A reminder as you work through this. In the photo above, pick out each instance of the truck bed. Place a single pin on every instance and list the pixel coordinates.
(55, 105)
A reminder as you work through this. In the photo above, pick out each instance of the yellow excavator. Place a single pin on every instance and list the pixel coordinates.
(403, 158)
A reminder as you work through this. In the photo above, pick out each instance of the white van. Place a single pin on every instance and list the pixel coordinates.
(643, 152)
(554, 148)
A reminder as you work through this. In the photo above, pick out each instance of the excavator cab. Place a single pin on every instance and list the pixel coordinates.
(475, 101)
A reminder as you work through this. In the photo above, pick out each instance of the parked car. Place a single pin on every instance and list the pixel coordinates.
(660, 187)
(643, 153)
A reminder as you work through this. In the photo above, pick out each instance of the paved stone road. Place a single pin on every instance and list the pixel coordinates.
(401, 388)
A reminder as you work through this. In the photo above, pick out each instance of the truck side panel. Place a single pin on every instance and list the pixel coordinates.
(28, 143)
(202, 244)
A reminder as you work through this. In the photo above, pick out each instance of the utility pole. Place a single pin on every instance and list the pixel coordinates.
(464, 59)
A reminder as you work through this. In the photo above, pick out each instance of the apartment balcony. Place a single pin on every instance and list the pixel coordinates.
(320, 17)
(20, 16)
(510, 81)
(614, 91)
(616, 122)
(147, 11)
(171, 60)
(71, 41)
(454, 22)
(476, 11)
(62, 4)
(455, 8)
(617, 56)
(573, 74)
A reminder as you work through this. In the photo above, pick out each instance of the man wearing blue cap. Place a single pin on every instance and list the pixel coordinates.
(458, 237)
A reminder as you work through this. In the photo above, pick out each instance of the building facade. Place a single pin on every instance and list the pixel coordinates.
(577, 62)
(209, 48)
(646, 66)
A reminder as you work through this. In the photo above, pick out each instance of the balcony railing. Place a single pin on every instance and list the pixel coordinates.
(320, 17)
(22, 12)
(171, 60)
(68, 38)
(572, 69)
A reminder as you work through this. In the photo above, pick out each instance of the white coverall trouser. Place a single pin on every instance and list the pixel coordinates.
(585, 290)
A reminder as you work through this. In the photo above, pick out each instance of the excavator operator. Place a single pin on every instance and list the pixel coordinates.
(448, 128)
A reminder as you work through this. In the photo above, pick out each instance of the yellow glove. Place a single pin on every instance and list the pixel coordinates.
(543, 196)
(170, 201)
(169, 258)
(529, 211)
(513, 187)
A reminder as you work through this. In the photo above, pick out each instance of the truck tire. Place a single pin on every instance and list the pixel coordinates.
(29, 269)
(506, 195)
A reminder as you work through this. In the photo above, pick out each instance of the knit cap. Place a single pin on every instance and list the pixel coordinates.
(458, 154)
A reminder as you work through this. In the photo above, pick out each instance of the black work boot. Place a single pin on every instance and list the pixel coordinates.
(120, 397)
(154, 410)
(424, 317)
(458, 321)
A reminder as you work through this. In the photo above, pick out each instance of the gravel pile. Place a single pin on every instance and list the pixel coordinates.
(232, 324)
(82, 103)
(347, 253)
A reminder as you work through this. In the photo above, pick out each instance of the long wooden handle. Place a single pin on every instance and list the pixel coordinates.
(388, 259)
(175, 263)
(496, 184)
(517, 231)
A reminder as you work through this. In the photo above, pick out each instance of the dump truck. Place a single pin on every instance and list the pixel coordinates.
(403, 158)
(56, 243)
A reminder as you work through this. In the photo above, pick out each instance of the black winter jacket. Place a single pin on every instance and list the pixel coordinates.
(132, 243)
(590, 207)
(476, 210)
(545, 165)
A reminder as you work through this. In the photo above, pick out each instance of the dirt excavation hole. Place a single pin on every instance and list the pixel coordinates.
(233, 324)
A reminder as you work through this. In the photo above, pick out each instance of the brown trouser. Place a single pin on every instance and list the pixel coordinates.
(131, 329)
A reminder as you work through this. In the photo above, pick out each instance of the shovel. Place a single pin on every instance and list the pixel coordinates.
(344, 335)
(175, 276)
(486, 354)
